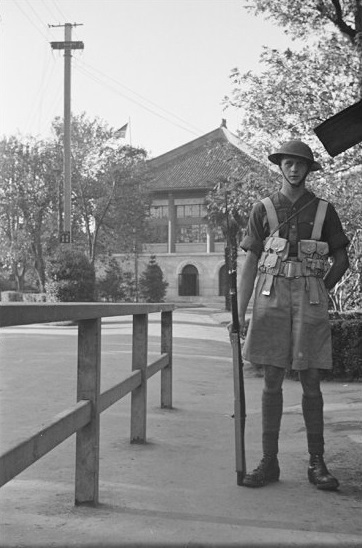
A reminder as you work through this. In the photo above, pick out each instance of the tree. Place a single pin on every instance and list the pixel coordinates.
(237, 191)
(298, 89)
(71, 277)
(109, 190)
(28, 193)
(116, 285)
(152, 283)
(301, 18)
(295, 91)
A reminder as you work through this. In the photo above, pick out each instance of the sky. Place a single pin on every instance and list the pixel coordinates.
(162, 66)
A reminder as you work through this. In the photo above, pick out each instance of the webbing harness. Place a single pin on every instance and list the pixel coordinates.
(274, 224)
(312, 254)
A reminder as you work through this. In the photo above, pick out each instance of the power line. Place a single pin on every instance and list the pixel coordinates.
(184, 125)
(142, 97)
(41, 96)
(60, 11)
(30, 20)
(112, 88)
(36, 15)
(47, 7)
(38, 100)
(101, 78)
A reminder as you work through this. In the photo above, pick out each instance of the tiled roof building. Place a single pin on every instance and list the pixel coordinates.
(198, 164)
(189, 252)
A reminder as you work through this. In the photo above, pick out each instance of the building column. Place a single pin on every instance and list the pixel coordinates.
(210, 240)
(171, 224)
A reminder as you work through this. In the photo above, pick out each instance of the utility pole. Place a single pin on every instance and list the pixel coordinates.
(66, 236)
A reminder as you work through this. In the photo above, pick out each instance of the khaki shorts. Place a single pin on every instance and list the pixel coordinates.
(286, 330)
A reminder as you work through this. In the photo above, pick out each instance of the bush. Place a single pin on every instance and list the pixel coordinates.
(152, 284)
(346, 345)
(34, 297)
(6, 284)
(116, 285)
(70, 277)
(11, 296)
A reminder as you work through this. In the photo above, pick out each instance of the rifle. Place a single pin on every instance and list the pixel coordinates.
(239, 392)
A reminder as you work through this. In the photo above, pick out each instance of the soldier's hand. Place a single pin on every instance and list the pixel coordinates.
(242, 328)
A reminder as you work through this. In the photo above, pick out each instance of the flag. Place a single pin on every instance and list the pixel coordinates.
(121, 133)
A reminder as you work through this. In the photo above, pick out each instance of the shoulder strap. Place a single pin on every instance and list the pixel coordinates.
(272, 215)
(319, 220)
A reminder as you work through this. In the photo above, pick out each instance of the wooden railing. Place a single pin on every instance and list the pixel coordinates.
(84, 417)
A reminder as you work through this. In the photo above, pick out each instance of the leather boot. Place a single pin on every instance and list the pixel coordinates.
(318, 474)
(268, 471)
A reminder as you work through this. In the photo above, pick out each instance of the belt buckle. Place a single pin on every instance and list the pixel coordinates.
(290, 269)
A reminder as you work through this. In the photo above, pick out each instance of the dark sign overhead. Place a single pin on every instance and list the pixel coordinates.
(341, 131)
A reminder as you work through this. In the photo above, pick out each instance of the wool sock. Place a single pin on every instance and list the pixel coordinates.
(272, 409)
(312, 407)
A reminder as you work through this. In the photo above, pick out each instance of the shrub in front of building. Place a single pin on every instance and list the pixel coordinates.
(70, 277)
(116, 285)
(11, 296)
(346, 345)
(152, 285)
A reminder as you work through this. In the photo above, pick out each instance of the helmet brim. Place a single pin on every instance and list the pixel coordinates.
(277, 157)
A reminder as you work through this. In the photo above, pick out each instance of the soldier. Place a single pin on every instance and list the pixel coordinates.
(295, 242)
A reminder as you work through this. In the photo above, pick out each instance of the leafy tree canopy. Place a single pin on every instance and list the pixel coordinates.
(109, 186)
(110, 201)
(28, 197)
(300, 18)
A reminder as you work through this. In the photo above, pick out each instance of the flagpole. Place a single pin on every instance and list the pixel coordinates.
(130, 133)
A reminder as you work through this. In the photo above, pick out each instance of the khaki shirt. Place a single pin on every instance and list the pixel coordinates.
(299, 228)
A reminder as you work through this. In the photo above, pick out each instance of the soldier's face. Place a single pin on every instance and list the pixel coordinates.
(295, 169)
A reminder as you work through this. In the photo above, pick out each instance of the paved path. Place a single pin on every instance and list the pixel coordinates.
(180, 488)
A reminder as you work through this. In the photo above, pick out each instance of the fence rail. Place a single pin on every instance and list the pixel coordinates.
(83, 419)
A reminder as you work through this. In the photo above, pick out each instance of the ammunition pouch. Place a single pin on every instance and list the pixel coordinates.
(311, 261)
(278, 246)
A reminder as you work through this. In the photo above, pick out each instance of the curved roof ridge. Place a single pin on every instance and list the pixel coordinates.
(238, 143)
(187, 147)
(191, 166)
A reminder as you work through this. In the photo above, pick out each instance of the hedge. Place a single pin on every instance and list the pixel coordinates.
(17, 296)
(346, 345)
(11, 296)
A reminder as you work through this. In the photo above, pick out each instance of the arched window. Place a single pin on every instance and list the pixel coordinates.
(188, 281)
(223, 281)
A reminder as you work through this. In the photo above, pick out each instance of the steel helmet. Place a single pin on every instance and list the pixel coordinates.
(295, 148)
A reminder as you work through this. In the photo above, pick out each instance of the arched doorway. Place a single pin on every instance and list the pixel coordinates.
(188, 281)
(223, 281)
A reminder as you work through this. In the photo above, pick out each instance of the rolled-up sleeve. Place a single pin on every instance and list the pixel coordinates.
(255, 232)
